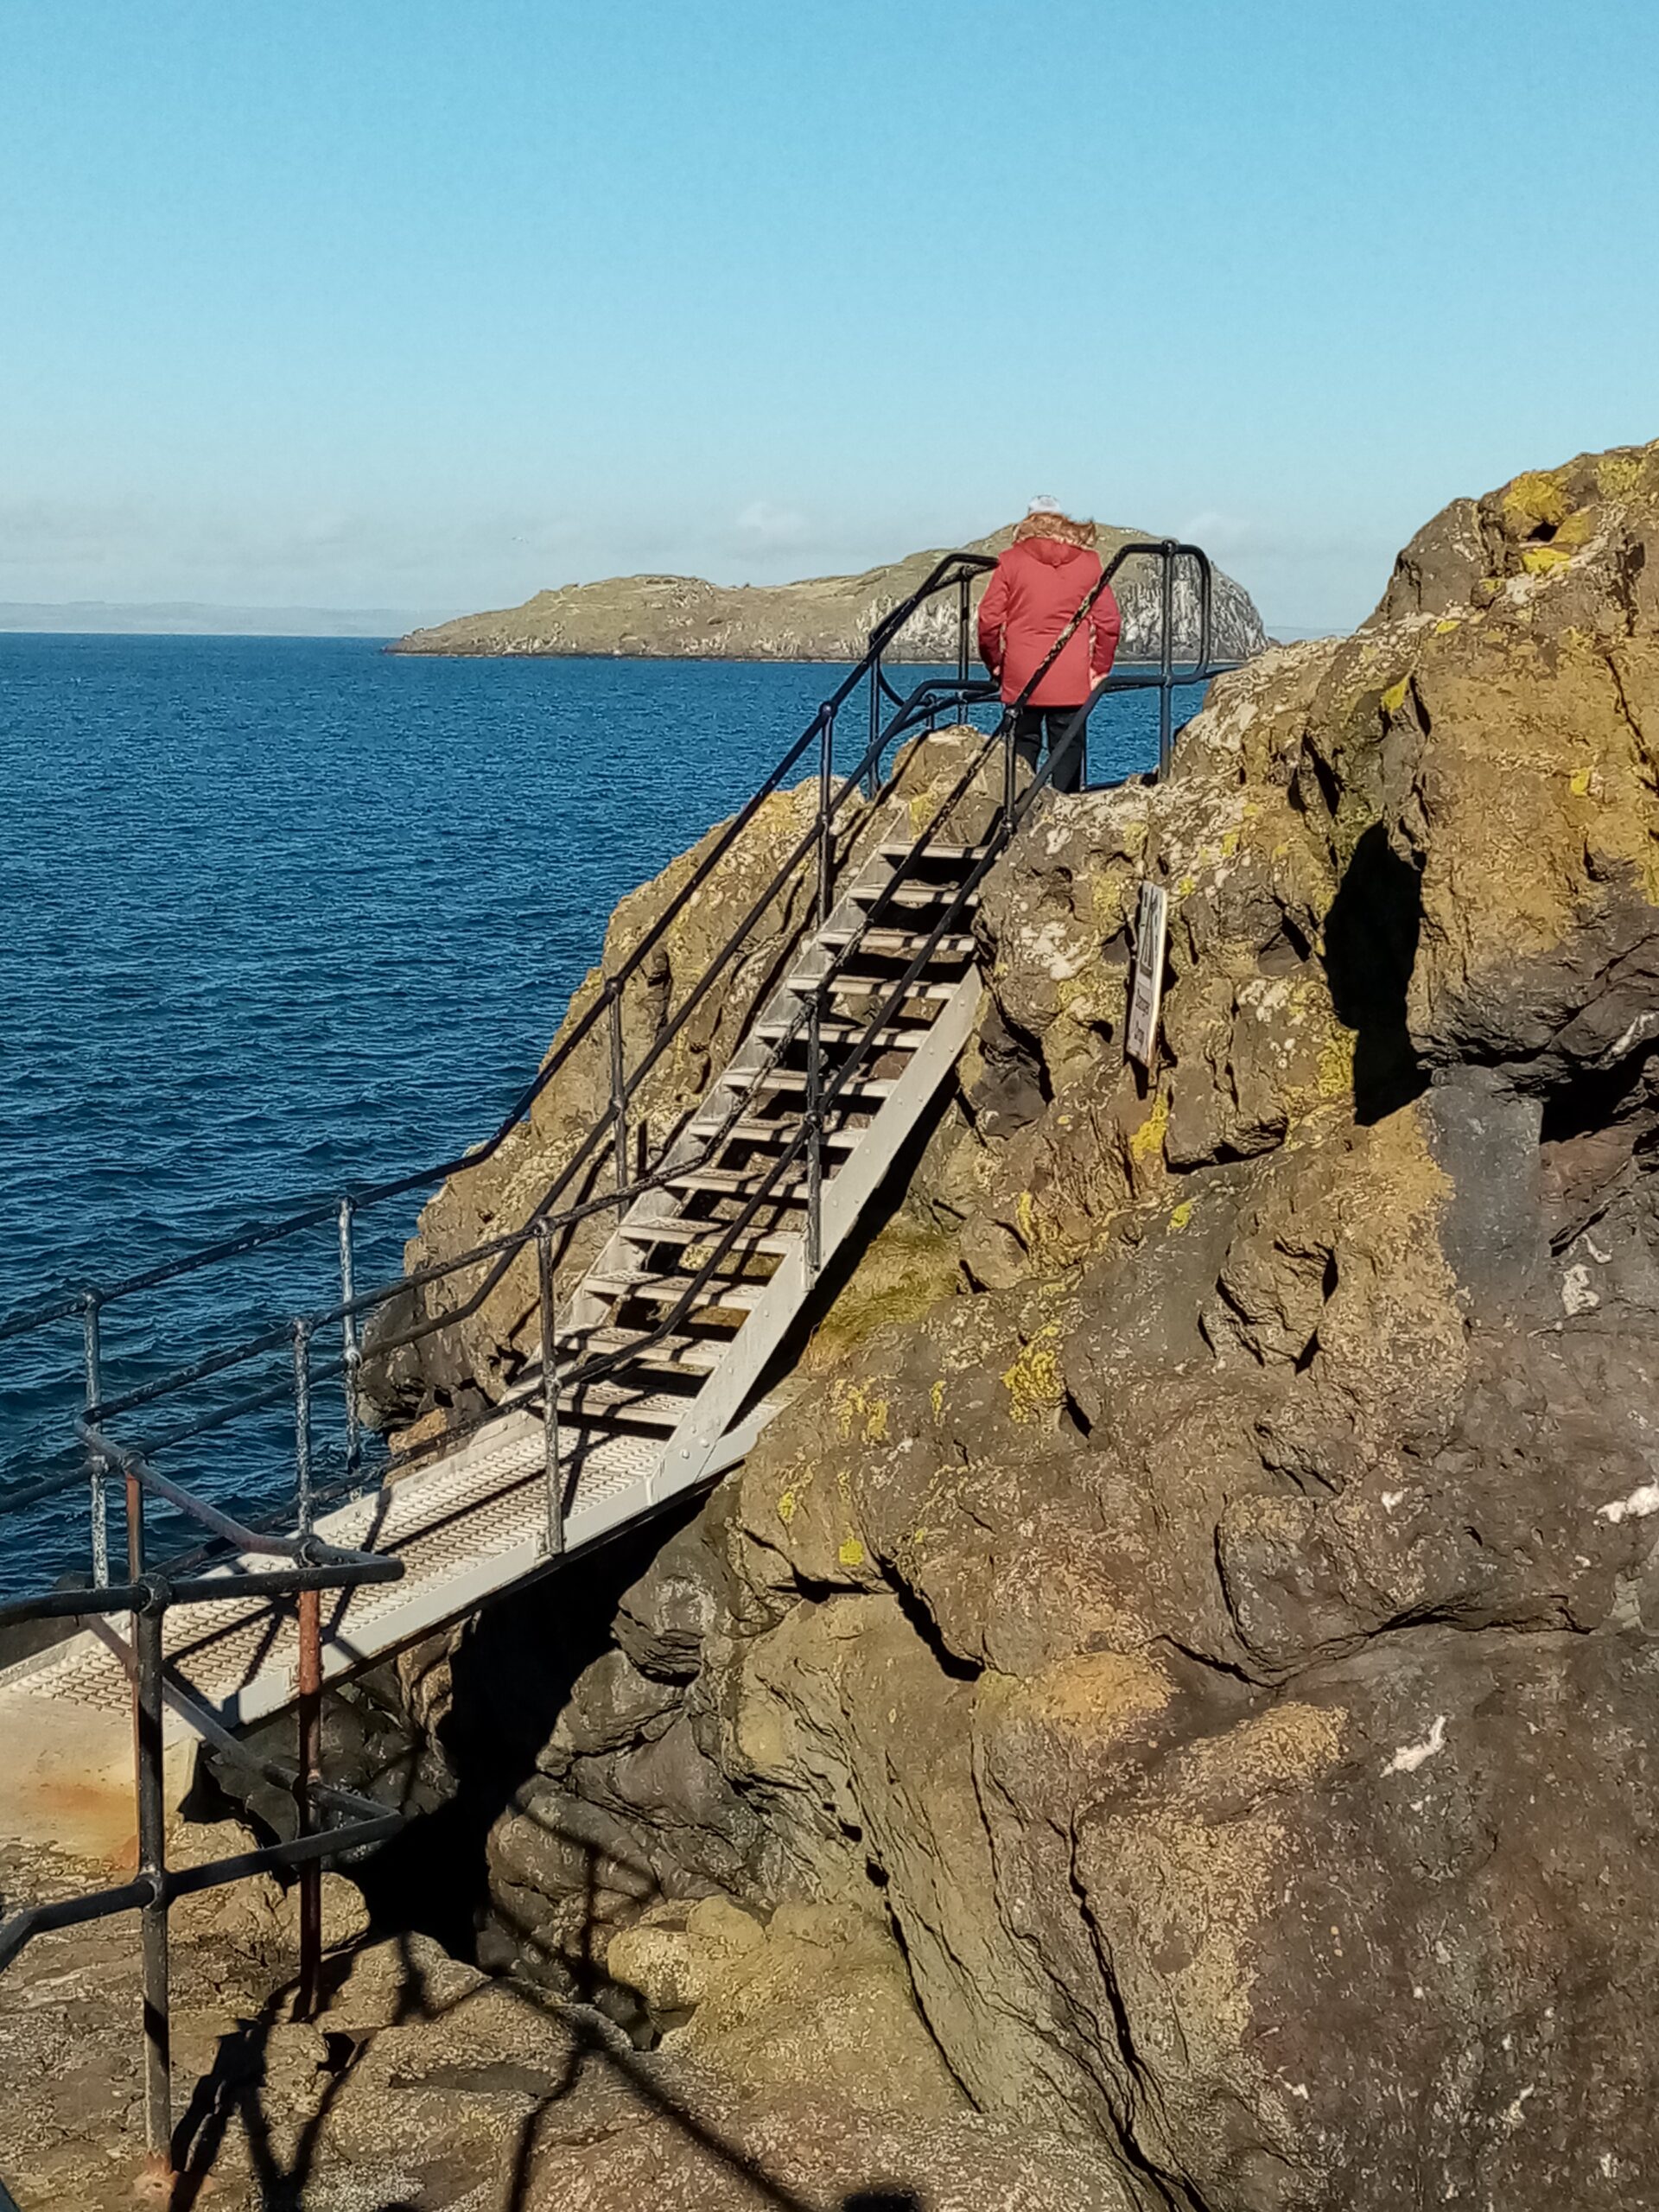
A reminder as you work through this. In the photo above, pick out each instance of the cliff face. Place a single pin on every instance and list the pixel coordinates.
(826, 618)
(1202, 1603)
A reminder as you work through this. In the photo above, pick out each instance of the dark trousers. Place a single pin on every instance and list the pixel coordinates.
(1028, 730)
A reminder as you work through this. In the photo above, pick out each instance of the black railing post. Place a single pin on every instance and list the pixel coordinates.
(309, 1684)
(149, 1760)
(814, 1133)
(553, 1535)
(1167, 660)
(303, 1425)
(348, 1333)
(964, 589)
(99, 1501)
(619, 1085)
(826, 778)
(872, 769)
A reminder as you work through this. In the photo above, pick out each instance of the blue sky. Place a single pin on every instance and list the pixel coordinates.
(390, 302)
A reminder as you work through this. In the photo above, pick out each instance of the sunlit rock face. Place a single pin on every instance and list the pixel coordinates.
(1200, 1602)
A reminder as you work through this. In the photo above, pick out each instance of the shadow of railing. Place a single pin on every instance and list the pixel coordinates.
(236, 2092)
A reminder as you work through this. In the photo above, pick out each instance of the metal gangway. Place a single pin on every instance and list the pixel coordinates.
(651, 1368)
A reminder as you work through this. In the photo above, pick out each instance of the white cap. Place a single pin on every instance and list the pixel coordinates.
(1045, 507)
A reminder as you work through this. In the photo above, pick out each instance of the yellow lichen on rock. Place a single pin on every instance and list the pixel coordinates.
(1033, 1383)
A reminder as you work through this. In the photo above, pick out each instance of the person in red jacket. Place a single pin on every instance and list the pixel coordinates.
(1038, 586)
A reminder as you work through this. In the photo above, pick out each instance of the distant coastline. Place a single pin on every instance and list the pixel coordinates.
(199, 618)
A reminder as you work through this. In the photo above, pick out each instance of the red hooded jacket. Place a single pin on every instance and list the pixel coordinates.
(1038, 584)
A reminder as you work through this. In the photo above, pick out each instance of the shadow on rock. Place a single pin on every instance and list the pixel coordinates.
(1371, 948)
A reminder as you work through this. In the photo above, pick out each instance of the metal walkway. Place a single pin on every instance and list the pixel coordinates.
(680, 1407)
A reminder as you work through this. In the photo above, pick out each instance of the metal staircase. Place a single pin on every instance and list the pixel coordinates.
(782, 1155)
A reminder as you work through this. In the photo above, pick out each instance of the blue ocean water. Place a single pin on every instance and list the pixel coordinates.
(283, 915)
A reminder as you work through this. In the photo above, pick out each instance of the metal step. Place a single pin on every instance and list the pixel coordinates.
(771, 1133)
(899, 944)
(660, 1411)
(709, 1232)
(860, 982)
(848, 1032)
(788, 1190)
(794, 1079)
(668, 1290)
(904, 893)
(678, 1354)
(964, 856)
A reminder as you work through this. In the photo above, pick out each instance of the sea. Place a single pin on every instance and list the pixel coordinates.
(281, 917)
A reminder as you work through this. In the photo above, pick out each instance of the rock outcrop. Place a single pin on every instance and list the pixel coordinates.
(1201, 1605)
(823, 618)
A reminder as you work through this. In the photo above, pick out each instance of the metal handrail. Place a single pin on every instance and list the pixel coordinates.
(148, 1595)
(953, 568)
(924, 701)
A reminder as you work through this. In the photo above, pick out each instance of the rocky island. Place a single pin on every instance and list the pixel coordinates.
(826, 618)
(1164, 1719)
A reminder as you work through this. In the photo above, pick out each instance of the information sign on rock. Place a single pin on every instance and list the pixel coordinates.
(1147, 993)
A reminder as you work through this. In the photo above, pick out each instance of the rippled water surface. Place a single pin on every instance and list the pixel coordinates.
(282, 916)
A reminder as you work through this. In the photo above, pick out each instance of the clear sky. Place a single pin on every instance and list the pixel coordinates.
(430, 303)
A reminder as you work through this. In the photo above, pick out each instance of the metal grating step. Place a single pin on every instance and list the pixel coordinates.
(794, 1079)
(768, 1241)
(788, 1189)
(678, 1354)
(852, 982)
(775, 1133)
(668, 1290)
(962, 856)
(628, 1406)
(898, 944)
(902, 893)
(833, 1031)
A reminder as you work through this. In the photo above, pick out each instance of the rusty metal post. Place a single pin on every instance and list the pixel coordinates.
(152, 1864)
(311, 1731)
